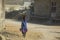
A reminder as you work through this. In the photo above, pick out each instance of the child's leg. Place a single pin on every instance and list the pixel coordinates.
(24, 34)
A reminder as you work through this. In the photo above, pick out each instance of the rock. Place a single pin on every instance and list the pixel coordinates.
(2, 37)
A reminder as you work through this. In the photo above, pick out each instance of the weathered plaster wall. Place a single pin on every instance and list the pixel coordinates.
(42, 7)
(58, 8)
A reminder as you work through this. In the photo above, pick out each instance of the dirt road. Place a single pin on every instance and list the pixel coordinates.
(35, 31)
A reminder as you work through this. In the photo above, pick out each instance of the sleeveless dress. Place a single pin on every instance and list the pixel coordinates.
(24, 26)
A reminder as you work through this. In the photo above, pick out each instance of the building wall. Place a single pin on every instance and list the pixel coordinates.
(43, 7)
(27, 0)
(14, 2)
(58, 8)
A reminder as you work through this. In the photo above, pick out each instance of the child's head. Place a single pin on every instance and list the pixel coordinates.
(23, 17)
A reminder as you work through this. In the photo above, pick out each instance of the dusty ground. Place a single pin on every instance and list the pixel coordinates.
(35, 31)
(13, 27)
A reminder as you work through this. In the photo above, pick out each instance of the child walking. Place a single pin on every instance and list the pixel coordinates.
(24, 25)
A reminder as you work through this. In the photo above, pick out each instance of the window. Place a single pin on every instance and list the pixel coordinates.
(53, 6)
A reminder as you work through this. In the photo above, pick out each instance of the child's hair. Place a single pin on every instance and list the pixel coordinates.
(23, 17)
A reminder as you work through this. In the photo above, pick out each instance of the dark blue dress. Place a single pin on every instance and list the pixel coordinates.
(24, 26)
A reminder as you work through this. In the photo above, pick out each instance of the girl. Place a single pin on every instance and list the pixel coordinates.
(24, 25)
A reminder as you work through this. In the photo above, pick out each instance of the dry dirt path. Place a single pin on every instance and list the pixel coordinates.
(35, 31)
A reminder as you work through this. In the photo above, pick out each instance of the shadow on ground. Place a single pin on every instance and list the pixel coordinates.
(45, 22)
